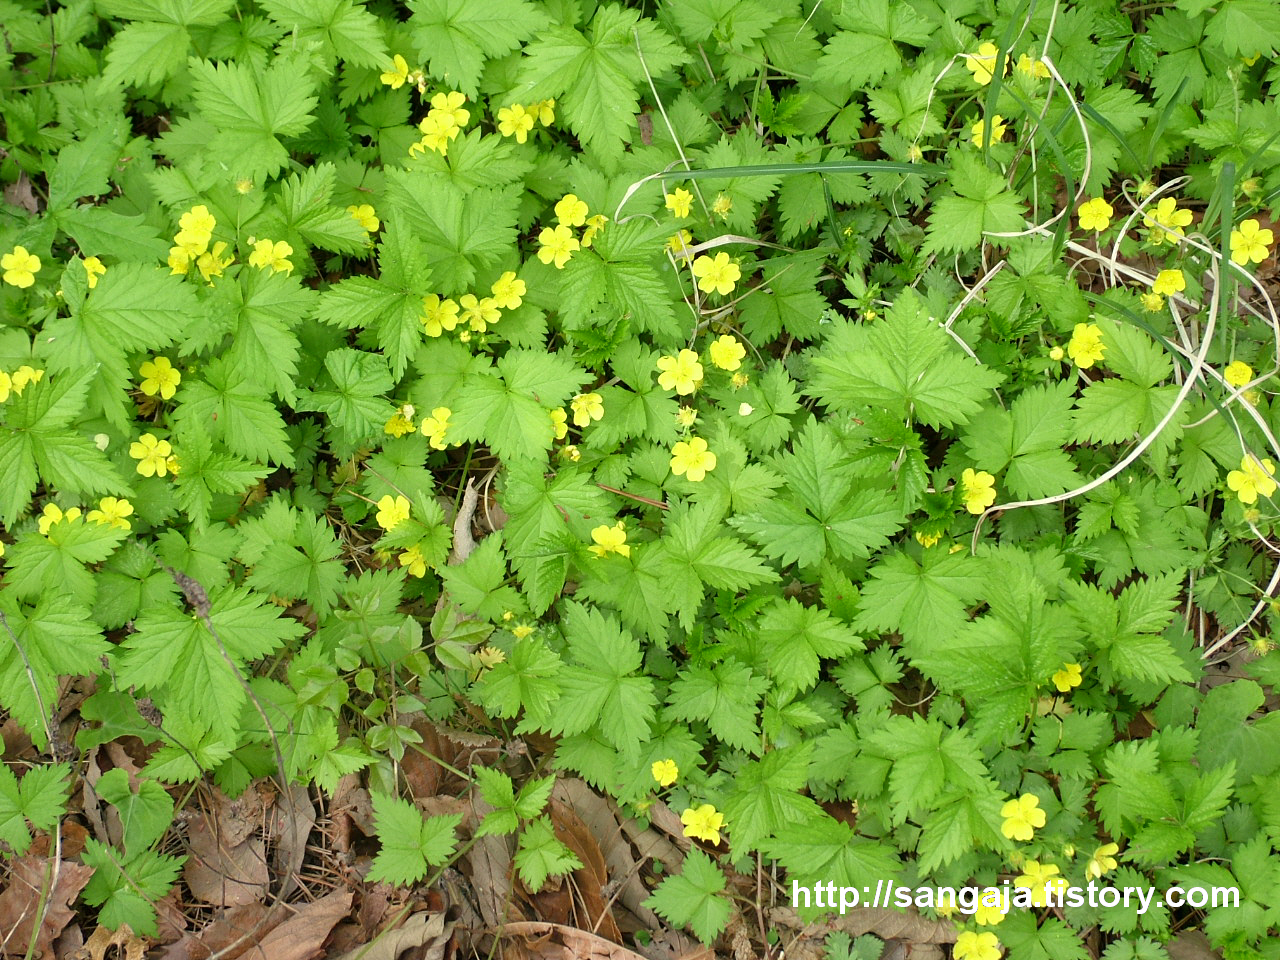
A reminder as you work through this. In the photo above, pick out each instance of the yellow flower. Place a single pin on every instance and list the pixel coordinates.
(179, 260)
(571, 453)
(392, 511)
(978, 132)
(594, 225)
(435, 426)
(160, 377)
(691, 459)
(363, 214)
(586, 407)
(665, 772)
(1094, 214)
(1086, 347)
(976, 946)
(680, 243)
(745, 409)
(557, 244)
(20, 267)
(927, 540)
(1167, 221)
(1037, 878)
(267, 254)
(195, 229)
(1056, 354)
(1169, 282)
(1102, 861)
(520, 631)
(401, 422)
(112, 512)
(722, 205)
(718, 275)
(508, 291)
(983, 64)
(1022, 817)
(6, 386)
(680, 202)
(990, 914)
(727, 352)
(25, 375)
(1238, 373)
(1036, 68)
(450, 105)
(702, 823)
(479, 312)
(399, 73)
(978, 490)
(52, 515)
(571, 211)
(1067, 678)
(681, 373)
(211, 263)
(515, 121)
(686, 416)
(559, 423)
(243, 186)
(1152, 302)
(152, 455)
(415, 561)
(545, 111)
(439, 315)
(94, 268)
(609, 540)
(1253, 478)
(1249, 243)
(437, 131)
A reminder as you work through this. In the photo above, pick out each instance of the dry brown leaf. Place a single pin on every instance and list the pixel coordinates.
(225, 876)
(122, 940)
(554, 940)
(884, 923)
(488, 866)
(602, 819)
(294, 819)
(229, 935)
(668, 944)
(20, 903)
(1192, 945)
(592, 878)
(426, 930)
(302, 936)
(20, 194)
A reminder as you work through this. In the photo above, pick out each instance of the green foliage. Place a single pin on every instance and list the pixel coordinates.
(711, 395)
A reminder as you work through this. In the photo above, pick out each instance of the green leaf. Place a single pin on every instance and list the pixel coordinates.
(456, 37)
(341, 28)
(726, 697)
(58, 637)
(356, 404)
(766, 796)
(174, 654)
(235, 410)
(144, 815)
(147, 53)
(410, 842)
(904, 363)
(693, 898)
(124, 892)
(527, 680)
(593, 77)
(982, 203)
(924, 602)
(252, 107)
(795, 638)
(822, 848)
(41, 798)
(83, 168)
(540, 855)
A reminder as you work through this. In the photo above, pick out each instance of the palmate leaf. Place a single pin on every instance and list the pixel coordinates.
(766, 796)
(174, 654)
(540, 855)
(235, 410)
(253, 107)
(57, 637)
(904, 363)
(593, 77)
(40, 798)
(356, 405)
(822, 848)
(343, 28)
(455, 37)
(410, 842)
(694, 897)
(726, 697)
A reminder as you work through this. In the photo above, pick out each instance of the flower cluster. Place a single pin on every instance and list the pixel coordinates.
(983, 64)
(436, 426)
(440, 314)
(401, 422)
(93, 268)
(692, 460)
(557, 245)
(703, 822)
(1068, 677)
(14, 383)
(517, 120)
(1166, 222)
(113, 512)
(392, 511)
(442, 124)
(586, 407)
(364, 215)
(399, 74)
(980, 135)
(192, 245)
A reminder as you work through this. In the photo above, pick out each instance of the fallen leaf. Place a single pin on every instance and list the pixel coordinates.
(122, 941)
(225, 876)
(295, 818)
(557, 940)
(230, 935)
(20, 903)
(426, 930)
(302, 936)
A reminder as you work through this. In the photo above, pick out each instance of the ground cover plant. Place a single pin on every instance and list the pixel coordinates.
(833, 439)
